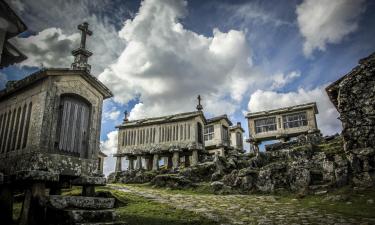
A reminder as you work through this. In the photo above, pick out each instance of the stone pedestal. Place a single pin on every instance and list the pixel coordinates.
(148, 162)
(155, 162)
(194, 158)
(138, 164)
(131, 164)
(6, 204)
(176, 160)
(32, 212)
(118, 164)
(187, 160)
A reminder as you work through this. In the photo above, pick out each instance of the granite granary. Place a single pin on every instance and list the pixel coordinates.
(49, 139)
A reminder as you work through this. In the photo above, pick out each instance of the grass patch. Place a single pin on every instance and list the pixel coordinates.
(139, 210)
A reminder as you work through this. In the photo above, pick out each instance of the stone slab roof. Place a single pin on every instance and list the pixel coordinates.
(162, 119)
(218, 118)
(283, 110)
(15, 86)
(237, 126)
(332, 89)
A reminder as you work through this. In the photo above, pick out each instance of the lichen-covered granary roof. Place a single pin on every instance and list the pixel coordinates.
(283, 110)
(43, 73)
(162, 119)
(333, 89)
(218, 118)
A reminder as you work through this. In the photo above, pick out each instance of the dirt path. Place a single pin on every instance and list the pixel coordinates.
(245, 209)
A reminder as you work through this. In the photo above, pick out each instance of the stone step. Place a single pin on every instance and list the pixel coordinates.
(103, 223)
(74, 216)
(80, 202)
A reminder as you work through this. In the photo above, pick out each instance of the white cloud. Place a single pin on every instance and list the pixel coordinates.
(327, 21)
(55, 24)
(280, 79)
(109, 146)
(166, 66)
(112, 114)
(327, 117)
(50, 48)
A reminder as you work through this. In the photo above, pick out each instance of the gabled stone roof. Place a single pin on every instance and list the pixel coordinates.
(237, 126)
(283, 110)
(218, 118)
(162, 119)
(43, 73)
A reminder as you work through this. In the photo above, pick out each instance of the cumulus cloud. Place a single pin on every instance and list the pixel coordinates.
(327, 117)
(112, 114)
(109, 147)
(281, 79)
(166, 66)
(327, 21)
(55, 26)
(50, 48)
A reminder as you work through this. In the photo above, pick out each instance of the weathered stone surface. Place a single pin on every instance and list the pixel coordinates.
(64, 202)
(1, 178)
(36, 175)
(88, 180)
(171, 181)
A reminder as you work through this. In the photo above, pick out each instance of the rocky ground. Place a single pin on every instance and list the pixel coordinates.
(264, 209)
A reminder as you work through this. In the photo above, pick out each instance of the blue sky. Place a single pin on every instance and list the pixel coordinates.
(157, 56)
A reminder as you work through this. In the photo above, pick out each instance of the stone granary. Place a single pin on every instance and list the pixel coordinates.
(281, 124)
(173, 137)
(354, 97)
(101, 157)
(236, 133)
(49, 139)
(216, 135)
(10, 26)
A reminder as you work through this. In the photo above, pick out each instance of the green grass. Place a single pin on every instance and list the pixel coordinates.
(139, 210)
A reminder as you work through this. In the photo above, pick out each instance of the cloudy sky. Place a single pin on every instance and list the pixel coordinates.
(157, 55)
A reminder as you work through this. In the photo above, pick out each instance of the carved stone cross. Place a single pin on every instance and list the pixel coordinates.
(84, 27)
(199, 106)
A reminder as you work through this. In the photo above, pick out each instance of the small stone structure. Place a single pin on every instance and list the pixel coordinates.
(236, 137)
(354, 97)
(170, 137)
(216, 135)
(10, 26)
(49, 139)
(281, 124)
(101, 157)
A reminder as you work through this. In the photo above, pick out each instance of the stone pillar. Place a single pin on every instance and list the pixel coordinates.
(176, 160)
(131, 163)
(32, 212)
(148, 162)
(187, 160)
(169, 162)
(6, 204)
(194, 158)
(155, 162)
(118, 164)
(138, 164)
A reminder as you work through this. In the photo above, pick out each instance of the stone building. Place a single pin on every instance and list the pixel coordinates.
(10, 26)
(49, 138)
(236, 137)
(281, 124)
(354, 97)
(175, 138)
(216, 135)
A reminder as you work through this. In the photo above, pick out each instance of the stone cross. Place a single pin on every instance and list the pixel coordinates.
(126, 116)
(199, 106)
(81, 54)
(84, 27)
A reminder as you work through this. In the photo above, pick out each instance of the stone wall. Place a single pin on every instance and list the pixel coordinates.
(354, 98)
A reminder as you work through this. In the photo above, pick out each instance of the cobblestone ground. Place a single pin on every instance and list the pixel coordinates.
(245, 209)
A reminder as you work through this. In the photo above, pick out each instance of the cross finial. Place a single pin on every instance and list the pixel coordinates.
(199, 106)
(126, 116)
(81, 54)
(84, 27)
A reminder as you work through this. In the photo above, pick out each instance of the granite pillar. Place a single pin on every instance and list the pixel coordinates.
(176, 160)
(118, 164)
(155, 162)
(194, 157)
(138, 163)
